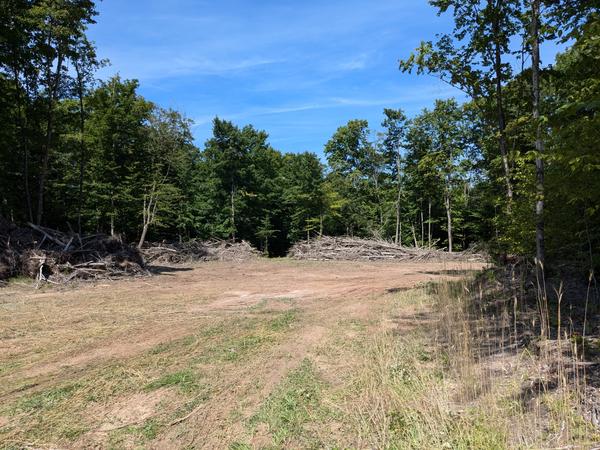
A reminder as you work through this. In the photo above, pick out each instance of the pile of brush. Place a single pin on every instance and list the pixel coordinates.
(58, 257)
(346, 248)
(174, 252)
(192, 251)
(232, 251)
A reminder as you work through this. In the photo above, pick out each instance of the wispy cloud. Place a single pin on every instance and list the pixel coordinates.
(200, 66)
(169, 66)
(419, 95)
(295, 69)
(355, 63)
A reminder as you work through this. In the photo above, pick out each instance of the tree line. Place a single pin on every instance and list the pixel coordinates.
(515, 166)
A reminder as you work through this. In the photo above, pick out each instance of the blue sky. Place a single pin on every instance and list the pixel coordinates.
(297, 69)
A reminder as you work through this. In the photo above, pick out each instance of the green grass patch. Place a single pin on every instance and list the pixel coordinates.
(259, 306)
(150, 429)
(262, 306)
(240, 338)
(284, 321)
(239, 446)
(292, 405)
(355, 325)
(135, 436)
(46, 416)
(185, 380)
(46, 399)
(72, 433)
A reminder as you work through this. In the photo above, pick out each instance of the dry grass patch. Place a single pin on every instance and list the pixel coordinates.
(129, 402)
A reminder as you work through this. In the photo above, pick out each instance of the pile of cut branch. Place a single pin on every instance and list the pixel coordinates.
(174, 252)
(192, 251)
(57, 257)
(356, 249)
(232, 251)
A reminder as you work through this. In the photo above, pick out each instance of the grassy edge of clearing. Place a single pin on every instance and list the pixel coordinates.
(394, 396)
(408, 376)
(415, 389)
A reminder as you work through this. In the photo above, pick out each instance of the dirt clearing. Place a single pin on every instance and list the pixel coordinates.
(217, 355)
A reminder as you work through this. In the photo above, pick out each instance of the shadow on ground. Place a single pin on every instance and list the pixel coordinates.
(166, 270)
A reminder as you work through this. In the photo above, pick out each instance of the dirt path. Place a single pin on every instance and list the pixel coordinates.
(242, 327)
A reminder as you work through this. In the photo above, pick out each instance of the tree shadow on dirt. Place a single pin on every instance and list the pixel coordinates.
(453, 272)
(503, 314)
(167, 270)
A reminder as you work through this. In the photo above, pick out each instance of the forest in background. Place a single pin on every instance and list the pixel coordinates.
(514, 168)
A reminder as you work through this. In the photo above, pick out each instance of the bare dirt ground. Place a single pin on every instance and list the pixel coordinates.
(218, 355)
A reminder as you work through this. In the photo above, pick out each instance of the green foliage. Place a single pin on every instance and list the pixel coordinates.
(98, 157)
(239, 194)
(116, 163)
(574, 156)
(356, 174)
(304, 196)
(474, 58)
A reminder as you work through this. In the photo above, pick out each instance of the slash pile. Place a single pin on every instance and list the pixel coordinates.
(191, 251)
(355, 249)
(57, 257)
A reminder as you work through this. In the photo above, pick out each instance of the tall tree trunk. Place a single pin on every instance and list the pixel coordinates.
(321, 225)
(52, 98)
(148, 214)
(232, 212)
(145, 221)
(398, 237)
(400, 234)
(27, 187)
(143, 236)
(429, 224)
(422, 229)
(379, 203)
(501, 116)
(449, 218)
(112, 215)
(149, 211)
(414, 233)
(539, 142)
